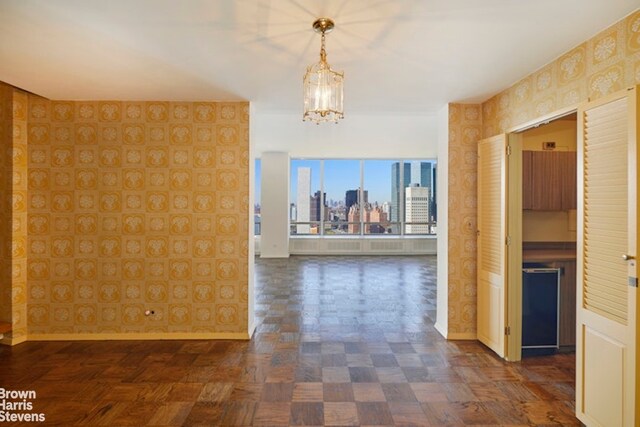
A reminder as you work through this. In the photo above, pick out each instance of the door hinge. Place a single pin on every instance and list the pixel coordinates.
(633, 282)
(507, 330)
(507, 241)
(508, 150)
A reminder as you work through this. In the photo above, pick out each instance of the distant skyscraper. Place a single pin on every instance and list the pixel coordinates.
(352, 198)
(353, 216)
(378, 220)
(397, 188)
(303, 200)
(417, 209)
(426, 175)
(316, 205)
(293, 214)
(386, 208)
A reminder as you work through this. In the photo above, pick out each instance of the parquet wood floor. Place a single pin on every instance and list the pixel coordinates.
(341, 341)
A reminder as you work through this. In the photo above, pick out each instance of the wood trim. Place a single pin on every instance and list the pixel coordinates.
(513, 285)
(462, 336)
(141, 336)
(543, 119)
(13, 341)
(5, 327)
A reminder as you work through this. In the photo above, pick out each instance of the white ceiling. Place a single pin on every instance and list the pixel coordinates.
(404, 56)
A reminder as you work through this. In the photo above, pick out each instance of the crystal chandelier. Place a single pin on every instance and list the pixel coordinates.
(323, 86)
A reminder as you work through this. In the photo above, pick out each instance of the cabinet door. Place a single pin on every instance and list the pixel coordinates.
(527, 184)
(546, 182)
(569, 174)
(567, 320)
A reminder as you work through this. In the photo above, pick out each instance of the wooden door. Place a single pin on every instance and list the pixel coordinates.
(606, 356)
(492, 234)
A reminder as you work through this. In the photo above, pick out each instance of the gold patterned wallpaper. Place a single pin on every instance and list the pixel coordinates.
(13, 214)
(604, 64)
(136, 206)
(6, 144)
(465, 129)
(608, 62)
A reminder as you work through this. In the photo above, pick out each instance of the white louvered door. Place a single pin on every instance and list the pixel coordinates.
(492, 229)
(606, 355)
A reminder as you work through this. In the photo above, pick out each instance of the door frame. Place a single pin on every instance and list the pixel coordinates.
(514, 231)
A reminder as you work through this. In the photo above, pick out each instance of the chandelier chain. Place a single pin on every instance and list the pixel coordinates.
(323, 52)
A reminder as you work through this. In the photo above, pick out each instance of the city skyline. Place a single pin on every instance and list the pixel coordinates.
(342, 207)
(376, 179)
(342, 175)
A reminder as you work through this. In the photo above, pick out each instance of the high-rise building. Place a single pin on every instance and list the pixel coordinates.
(316, 206)
(398, 184)
(426, 175)
(386, 208)
(353, 216)
(417, 209)
(303, 199)
(352, 197)
(378, 220)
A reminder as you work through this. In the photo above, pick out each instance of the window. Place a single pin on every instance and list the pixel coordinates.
(377, 214)
(342, 196)
(363, 197)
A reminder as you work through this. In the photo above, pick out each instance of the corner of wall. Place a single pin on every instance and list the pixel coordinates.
(442, 294)
(465, 130)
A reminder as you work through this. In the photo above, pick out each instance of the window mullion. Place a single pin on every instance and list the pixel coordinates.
(401, 198)
(361, 197)
(322, 201)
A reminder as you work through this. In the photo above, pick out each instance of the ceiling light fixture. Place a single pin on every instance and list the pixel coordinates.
(323, 94)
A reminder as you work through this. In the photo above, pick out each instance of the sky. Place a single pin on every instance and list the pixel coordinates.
(343, 175)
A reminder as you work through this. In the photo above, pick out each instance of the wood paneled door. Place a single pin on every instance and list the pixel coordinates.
(607, 357)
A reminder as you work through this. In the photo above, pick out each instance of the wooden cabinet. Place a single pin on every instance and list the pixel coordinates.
(549, 180)
(569, 169)
(527, 185)
(567, 320)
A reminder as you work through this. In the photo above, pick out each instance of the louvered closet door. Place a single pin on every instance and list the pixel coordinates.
(492, 221)
(606, 355)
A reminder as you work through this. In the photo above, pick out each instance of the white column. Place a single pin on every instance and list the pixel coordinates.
(274, 205)
(442, 287)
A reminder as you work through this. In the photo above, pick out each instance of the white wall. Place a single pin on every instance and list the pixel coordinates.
(251, 323)
(274, 205)
(442, 289)
(357, 136)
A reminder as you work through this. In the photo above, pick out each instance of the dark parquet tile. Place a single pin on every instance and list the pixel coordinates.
(340, 341)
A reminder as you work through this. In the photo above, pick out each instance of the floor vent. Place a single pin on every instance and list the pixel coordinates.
(343, 246)
(304, 245)
(386, 246)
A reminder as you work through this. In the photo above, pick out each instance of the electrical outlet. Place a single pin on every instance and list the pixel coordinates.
(549, 145)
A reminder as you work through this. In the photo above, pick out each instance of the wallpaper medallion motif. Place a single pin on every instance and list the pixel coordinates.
(606, 63)
(135, 206)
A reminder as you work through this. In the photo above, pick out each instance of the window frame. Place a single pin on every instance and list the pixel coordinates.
(401, 223)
